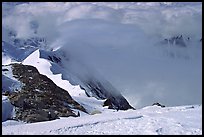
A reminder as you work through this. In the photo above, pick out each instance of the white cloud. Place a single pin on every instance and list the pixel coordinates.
(116, 39)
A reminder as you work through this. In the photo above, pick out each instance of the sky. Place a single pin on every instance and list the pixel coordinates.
(120, 42)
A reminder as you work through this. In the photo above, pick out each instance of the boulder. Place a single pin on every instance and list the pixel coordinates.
(158, 104)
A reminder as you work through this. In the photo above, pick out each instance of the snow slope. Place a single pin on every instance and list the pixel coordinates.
(136, 66)
(5, 59)
(7, 108)
(9, 82)
(44, 67)
(150, 120)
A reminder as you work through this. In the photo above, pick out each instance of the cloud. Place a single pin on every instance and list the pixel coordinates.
(124, 55)
(118, 41)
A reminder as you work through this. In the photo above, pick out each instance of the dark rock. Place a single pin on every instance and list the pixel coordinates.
(5, 70)
(107, 103)
(106, 91)
(6, 93)
(50, 58)
(56, 59)
(93, 87)
(176, 40)
(40, 96)
(119, 104)
(180, 42)
(158, 104)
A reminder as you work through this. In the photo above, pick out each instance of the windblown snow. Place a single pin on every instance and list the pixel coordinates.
(150, 120)
(133, 45)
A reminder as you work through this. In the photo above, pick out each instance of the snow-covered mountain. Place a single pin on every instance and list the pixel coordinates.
(24, 80)
(104, 55)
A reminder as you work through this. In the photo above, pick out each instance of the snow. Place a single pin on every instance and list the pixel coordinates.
(44, 66)
(7, 108)
(16, 52)
(9, 82)
(5, 59)
(129, 60)
(150, 120)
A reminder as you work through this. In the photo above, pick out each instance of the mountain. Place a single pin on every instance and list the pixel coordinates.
(38, 95)
(93, 86)
(35, 86)
(83, 68)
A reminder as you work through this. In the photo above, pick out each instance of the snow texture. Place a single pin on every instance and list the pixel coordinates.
(150, 120)
(7, 108)
(9, 82)
(122, 43)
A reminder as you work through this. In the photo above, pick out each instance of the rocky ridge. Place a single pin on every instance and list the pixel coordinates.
(40, 96)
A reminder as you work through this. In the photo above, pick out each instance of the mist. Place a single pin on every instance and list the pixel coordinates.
(130, 60)
(121, 44)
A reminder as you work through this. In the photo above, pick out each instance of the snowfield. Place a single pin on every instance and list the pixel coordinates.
(123, 43)
(150, 120)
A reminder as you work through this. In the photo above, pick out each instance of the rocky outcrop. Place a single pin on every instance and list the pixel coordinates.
(40, 96)
(119, 104)
(176, 40)
(93, 86)
(114, 100)
(158, 104)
